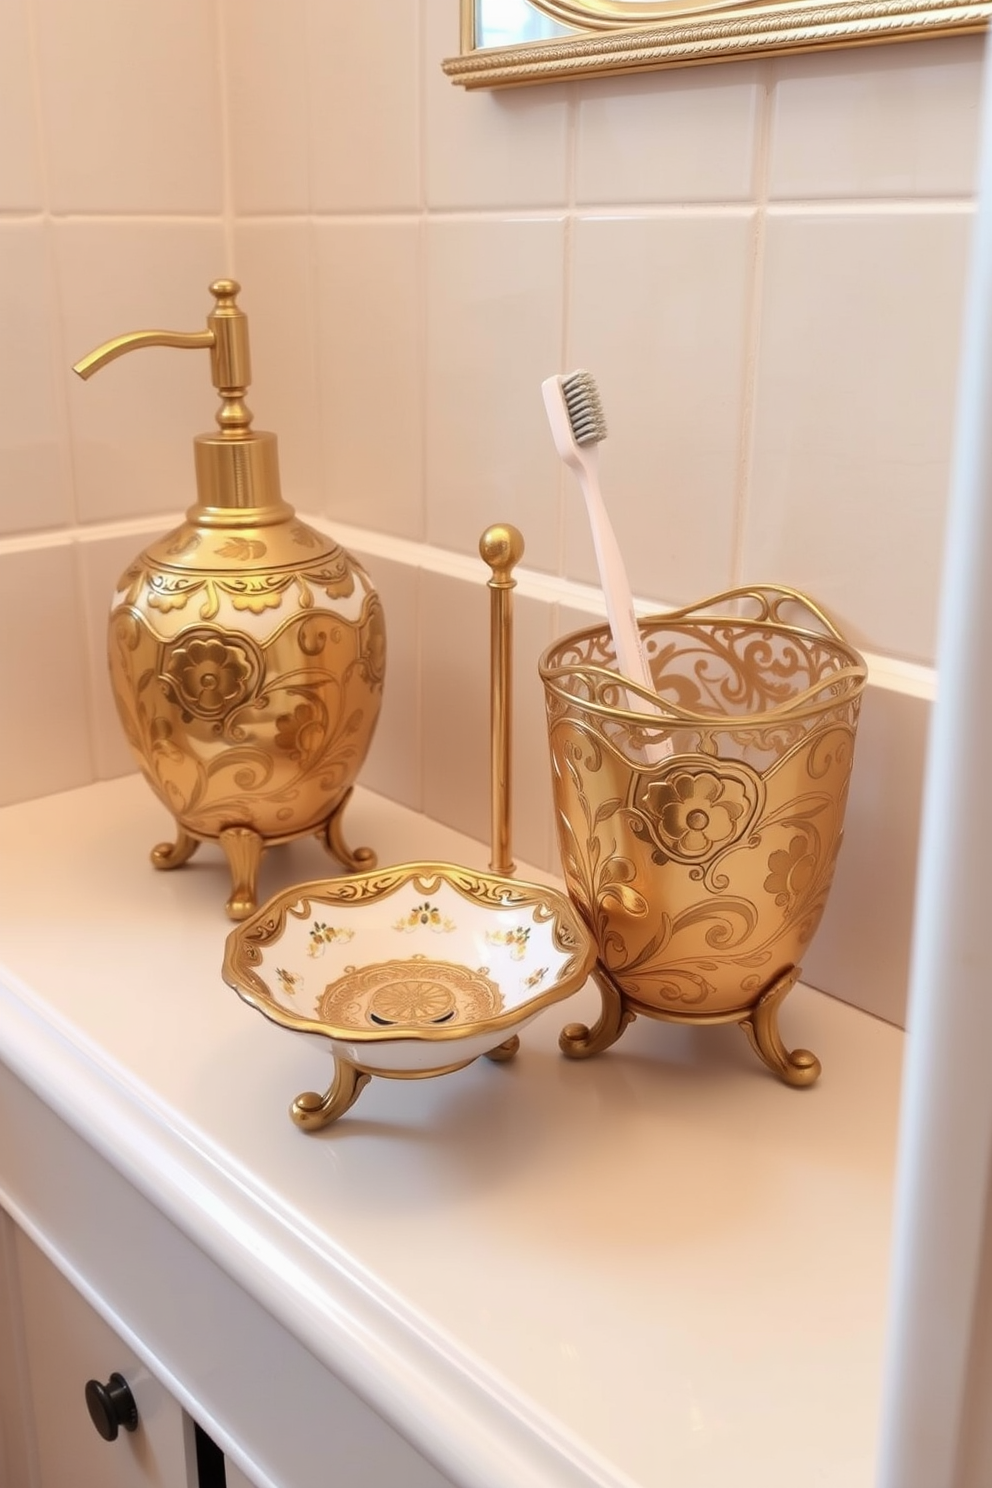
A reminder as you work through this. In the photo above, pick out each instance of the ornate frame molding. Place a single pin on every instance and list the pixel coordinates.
(716, 33)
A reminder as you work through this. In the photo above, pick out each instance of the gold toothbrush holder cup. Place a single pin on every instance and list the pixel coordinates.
(699, 826)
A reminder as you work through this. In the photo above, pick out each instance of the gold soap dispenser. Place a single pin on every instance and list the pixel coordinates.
(246, 649)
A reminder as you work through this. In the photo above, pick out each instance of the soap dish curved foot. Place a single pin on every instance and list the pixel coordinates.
(797, 1067)
(356, 860)
(505, 1050)
(311, 1111)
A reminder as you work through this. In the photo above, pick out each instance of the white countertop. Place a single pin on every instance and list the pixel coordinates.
(659, 1267)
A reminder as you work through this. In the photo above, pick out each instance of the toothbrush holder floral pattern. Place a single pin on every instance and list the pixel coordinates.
(699, 826)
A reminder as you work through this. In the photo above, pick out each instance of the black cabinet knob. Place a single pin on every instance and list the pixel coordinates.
(111, 1406)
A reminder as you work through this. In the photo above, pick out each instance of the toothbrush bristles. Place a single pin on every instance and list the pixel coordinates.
(585, 411)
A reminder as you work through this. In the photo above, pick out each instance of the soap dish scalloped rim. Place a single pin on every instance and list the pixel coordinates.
(408, 971)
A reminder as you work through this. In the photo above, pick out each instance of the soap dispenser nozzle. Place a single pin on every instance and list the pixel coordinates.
(237, 468)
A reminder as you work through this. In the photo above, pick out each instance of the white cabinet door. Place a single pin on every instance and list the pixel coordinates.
(66, 1344)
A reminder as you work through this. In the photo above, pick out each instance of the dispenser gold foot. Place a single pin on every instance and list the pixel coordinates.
(795, 1067)
(579, 1042)
(174, 854)
(505, 1050)
(243, 850)
(357, 860)
(312, 1111)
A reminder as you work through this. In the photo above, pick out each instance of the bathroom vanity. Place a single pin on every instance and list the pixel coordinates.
(659, 1267)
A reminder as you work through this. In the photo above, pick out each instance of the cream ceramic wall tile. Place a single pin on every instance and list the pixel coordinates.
(455, 695)
(20, 161)
(265, 64)
(454, 687)
(369, 359)
(659, 314)
(534, 628)
(364, 112)
(44, 742)
(861, 951)
(100, 565)
(132, 102)
(274, 262)
(854, 409)
(133, 422)
(35, 489)
(507, 148)
(885, 121)
(393, 767)
(494, 297)
(678, 135)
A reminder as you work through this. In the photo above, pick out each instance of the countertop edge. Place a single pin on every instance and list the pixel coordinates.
(470, 1425)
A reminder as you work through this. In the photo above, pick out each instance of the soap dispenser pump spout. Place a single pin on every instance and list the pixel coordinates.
(237, 469)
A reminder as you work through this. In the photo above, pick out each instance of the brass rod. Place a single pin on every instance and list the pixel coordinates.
(501, 548)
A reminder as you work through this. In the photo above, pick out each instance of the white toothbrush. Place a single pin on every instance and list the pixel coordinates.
(575, 414)
(578, 426)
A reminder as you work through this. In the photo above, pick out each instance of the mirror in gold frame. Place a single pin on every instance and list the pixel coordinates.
(509, 42)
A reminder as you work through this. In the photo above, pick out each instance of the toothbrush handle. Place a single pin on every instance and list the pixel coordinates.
(631, 660)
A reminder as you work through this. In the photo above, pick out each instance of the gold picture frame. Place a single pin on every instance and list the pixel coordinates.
(601, 37)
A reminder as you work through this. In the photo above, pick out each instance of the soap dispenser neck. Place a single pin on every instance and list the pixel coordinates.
(237, 479)
(237, 468)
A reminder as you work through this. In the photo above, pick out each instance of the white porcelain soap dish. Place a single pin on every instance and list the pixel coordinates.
(407, 972)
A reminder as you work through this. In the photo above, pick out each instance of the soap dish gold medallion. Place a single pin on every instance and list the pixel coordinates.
(417, 994)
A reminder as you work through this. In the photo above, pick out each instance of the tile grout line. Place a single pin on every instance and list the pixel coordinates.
(567, 286)
(752, 330)
(827, 206)
(59, 353)
(227, 187)
(779, 206)
(423, 323)
(308, 115)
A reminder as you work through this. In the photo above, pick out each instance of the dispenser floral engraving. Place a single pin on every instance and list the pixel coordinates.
(209, 673)
(246, 649)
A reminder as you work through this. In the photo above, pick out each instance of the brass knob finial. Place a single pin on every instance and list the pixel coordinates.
(501, 547)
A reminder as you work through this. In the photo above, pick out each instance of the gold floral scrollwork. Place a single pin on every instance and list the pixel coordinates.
(335, 575)
(791, 871)
(242, 549)
(372, 659)
(185, 541)
(300, 733)
(167, 591)
(304, 536)
(255, 592)
(209, 673)
(697, 811)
